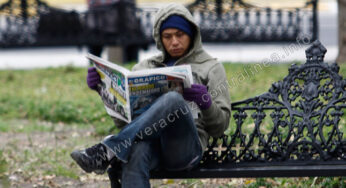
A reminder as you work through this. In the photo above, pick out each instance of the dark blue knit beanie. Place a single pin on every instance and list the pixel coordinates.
(177, 22)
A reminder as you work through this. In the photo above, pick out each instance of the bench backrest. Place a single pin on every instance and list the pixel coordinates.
(301, 119)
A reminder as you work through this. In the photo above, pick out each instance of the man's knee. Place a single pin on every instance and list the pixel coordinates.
(173, 101)
(173, 96)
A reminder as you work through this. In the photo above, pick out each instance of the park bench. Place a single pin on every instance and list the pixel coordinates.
(296, 129)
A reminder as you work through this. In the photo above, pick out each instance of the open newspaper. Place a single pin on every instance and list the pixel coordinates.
(126, 94)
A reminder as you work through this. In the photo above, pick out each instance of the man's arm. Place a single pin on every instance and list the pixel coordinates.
(140, 66)
(217, 116)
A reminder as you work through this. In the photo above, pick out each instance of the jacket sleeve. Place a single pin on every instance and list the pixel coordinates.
(140, 66)
(217, 116)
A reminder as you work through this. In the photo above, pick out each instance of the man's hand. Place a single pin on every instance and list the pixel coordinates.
(199, 94)
(93, 78)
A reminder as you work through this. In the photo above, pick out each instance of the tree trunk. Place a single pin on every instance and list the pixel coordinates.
(342, 31)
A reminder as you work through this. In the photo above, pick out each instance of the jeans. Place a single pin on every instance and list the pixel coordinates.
(165, 135)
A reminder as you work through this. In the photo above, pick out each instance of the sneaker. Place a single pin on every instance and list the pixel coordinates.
(93, 159)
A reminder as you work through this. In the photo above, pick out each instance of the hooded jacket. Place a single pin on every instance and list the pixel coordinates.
(205, 70)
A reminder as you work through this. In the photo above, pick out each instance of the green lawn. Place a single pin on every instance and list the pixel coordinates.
(55, 111)
(61, 94)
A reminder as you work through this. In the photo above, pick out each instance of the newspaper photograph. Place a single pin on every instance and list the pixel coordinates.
(113, 92)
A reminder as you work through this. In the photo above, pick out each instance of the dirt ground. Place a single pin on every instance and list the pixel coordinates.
(28, 167)
(36, 160)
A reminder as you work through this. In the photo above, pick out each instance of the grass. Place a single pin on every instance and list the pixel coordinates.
(253, 79)
(61, 95)
(26, 126)
(58, 95)
(3, 164)
(57, 103)
(53, 95)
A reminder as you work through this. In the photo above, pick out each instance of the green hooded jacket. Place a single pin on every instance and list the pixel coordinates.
(205, 69)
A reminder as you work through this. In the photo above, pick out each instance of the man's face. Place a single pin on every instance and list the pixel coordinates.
(175, 41)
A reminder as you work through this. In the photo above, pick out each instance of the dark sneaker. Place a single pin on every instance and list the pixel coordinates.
(93, 159)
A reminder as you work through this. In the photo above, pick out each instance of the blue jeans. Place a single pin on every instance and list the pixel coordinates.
(164, 135)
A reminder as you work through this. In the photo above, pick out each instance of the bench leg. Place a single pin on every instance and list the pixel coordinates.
(114, 178)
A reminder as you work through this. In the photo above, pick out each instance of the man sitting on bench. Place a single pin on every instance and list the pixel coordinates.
(176, 140)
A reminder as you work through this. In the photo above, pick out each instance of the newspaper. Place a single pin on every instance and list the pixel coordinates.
(127, 94)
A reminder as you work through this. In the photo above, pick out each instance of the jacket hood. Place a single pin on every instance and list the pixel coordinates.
(196, 52)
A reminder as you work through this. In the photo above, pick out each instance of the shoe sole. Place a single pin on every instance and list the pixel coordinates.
(76, 156)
